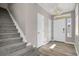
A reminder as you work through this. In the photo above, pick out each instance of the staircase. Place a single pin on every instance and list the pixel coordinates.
(10, 41)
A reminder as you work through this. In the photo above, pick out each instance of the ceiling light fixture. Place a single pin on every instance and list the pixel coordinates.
(57, 11)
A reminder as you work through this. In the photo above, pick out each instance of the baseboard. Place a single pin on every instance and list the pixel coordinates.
(65, 42)
(70, 42)
(17, 26)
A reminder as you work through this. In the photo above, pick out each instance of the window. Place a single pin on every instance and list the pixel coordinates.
(69, 27)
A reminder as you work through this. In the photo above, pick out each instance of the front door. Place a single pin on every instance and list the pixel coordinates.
(59, 29)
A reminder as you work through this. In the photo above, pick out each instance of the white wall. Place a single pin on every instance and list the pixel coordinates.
(77, 28)
(4, 5)
(26, 16)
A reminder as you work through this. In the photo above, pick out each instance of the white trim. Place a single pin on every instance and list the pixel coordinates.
(17, 26)
(76, 50)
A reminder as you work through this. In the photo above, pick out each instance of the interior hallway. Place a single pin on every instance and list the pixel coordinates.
(61, 49)
(28, 35)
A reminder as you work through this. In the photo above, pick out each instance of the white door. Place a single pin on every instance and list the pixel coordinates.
(59, 30)
(40, 30)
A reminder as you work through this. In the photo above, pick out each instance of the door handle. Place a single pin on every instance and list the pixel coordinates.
(38, 32)
(63, 29)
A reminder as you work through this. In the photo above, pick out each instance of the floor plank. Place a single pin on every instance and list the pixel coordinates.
(61, 49)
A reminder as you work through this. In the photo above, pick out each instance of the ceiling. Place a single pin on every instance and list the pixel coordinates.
(57, 8)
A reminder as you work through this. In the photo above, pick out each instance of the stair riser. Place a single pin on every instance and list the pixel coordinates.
(15, 31)
(4, 15)
(2, 22)
(3, 10)
(9, 36)
(5, 19)
(5, 24)
(4, 27)
(10, 42)
(9, 28)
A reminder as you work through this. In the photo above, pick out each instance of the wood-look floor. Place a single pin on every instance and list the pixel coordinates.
(61, 49)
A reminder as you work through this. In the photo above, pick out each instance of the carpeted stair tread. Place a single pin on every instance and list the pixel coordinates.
(12, 45)
(8, 42)
(19, 52)
(10, 35)
(11, 48)
(32, 52)
(28, 53)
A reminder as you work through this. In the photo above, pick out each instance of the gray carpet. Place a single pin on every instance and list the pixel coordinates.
(10, 41)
